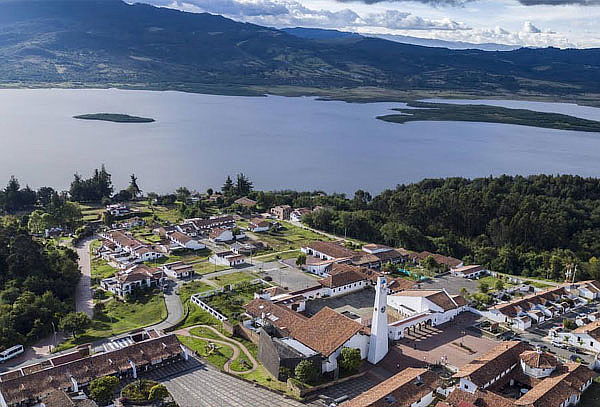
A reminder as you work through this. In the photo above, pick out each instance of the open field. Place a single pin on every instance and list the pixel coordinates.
(233, 278)
(116, 317)
(291, 237)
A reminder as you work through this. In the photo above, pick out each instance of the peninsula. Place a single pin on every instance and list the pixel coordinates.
(422, 111)
(114, 117)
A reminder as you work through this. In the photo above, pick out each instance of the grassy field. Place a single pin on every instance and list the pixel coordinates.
(492, 281)
(205, 268)
(193, 287)
(216, 358)
(290, 254)
(117, 317)
(233, 278)
(101, 269)
(291, 237)
(161, 213)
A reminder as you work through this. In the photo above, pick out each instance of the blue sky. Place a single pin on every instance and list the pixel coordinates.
(559, 23)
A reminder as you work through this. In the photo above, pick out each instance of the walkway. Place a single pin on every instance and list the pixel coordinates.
(174, 306)
(83, 292)
(226, 341)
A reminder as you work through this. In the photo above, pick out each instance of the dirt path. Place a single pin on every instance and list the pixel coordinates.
(232, 343)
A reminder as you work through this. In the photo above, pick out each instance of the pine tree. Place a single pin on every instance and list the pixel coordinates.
(133, 187)
(228, 188)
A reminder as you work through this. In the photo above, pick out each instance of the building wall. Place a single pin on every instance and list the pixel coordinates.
(346, 289)
(424, 402)
(358, 341)
(467, 385)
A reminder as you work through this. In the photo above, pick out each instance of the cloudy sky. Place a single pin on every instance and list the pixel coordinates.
(559, 23)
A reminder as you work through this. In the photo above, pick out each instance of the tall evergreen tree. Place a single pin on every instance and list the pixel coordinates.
(133, 187)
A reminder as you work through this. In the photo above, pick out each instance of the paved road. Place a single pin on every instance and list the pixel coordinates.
(174, 307)
(83, 292)
(201, 385)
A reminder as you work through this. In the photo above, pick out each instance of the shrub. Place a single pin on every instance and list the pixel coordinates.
(350, 360)
(306, 372)
(103, 389)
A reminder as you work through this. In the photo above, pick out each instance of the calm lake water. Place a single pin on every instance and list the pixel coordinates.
(298, 143)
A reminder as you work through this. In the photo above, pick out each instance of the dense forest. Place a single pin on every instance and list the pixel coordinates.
(530, 226)
(37, 285)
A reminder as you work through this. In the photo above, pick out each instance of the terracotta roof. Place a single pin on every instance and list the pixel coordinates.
(373, 246)
(489, 366)
(398, 284)
(538, 360)
(326, 331)
(259, 223)
(30, 387)
(204, 224)
(278, 315)
(342, 278)
(245, 201)
(216, 232)
(440, 259)
(592, 329)
(180, 237)
(401, 390)
(554, 390)
(460, 398)
(528, 302)
(331, 249)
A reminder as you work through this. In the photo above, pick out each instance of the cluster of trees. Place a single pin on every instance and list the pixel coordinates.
(530, 226)
(242, 186)
(37, 286)
(13, 198)
(94, 189)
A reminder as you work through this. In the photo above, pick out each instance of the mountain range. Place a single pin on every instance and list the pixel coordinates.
(100, 42)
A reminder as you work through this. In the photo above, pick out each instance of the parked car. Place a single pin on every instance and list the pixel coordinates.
(560, 345)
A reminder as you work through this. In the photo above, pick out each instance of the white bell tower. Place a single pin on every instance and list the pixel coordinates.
(378, 346)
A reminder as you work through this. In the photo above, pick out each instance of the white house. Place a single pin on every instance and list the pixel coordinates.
(118, 210)
(183, 241)
(342, 283)
(586, 289)
(227, 258)
(178, 270)
(474, 271)
(586, 337)
(221, 235)
(321, 255)
(137, 277)
(297, 214)
(258, 225)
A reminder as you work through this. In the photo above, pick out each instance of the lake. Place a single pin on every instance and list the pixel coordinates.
(279, 142)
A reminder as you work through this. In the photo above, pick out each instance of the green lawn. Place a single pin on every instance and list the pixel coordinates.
(101, 269)
(187, 256)
(206, 267)
(290, 238)
(216, 358)
(118, 317)
(161, 213)
(264, 378)
(492, 281)
(265, 258)
(233, 278)
(190, 288)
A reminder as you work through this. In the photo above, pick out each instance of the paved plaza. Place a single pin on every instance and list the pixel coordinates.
(434, 344)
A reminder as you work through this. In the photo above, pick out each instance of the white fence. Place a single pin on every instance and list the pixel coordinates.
(197, 298)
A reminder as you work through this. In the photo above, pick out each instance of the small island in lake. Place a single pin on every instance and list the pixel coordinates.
(115, 117)
(423, 111)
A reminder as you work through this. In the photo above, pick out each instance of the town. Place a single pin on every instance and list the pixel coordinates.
(245, 304)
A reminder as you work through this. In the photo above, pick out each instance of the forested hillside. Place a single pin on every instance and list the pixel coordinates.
(520, 225)
(110, 42)
(37, 285)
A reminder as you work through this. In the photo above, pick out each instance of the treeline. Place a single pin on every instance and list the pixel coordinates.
(532, 226)
(37, 286)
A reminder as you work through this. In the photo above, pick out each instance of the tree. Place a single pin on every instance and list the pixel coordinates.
(102, 389)
(350, 359)
(306, 372)
(243, 185)
(430, 264)
(182, 194)
(464, 292)
(209, 192)
(301, 259)
(227, 187)
(75, 323)
(499, 286)
(484, 287)
(133, 187)
(158, 392)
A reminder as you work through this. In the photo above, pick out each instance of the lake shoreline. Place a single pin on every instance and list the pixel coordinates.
(349, 95)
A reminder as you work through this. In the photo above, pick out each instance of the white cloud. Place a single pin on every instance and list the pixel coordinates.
(285, 13)
(384, 18)
(528, 27)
